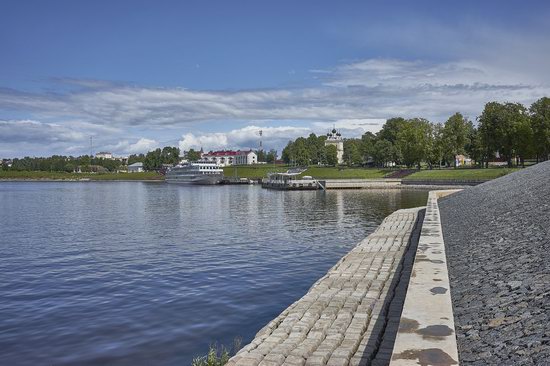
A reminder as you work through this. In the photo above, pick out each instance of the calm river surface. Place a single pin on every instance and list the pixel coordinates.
(150, 273)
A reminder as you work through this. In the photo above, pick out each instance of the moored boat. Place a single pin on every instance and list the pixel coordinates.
(201, 172)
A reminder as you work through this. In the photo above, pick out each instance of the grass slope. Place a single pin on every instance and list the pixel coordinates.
(461, 174)
(261, 171)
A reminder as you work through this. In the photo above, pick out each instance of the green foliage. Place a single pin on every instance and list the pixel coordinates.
(136, 158)
(271, 156)
(170, 155)
(217, 356)
(261, 155)
(304, 151)
(382, 152)
(455, 135)
(391, 129)
(193, 155)
(540, 122)
(42, 175)
(413, 140)
(353, 152)
(504, 128)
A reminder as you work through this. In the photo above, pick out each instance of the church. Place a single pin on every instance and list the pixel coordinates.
(335, 138)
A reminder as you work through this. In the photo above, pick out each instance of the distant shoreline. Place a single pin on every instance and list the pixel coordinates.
(465, 176)
(78, 180)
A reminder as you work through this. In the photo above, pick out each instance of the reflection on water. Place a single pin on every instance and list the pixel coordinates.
(148, 273)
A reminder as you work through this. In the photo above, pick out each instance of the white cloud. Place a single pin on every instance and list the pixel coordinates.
(125, 147)
(243, 138)
(16, 131)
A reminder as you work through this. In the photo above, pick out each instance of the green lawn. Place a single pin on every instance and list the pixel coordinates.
(345, 173)
(72, 176)
(461, 174)
(260, 171)
(252, 171)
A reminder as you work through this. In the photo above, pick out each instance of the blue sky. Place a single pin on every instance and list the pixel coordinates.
(140, 74)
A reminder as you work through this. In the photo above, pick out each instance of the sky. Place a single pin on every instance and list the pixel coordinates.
(136, 75)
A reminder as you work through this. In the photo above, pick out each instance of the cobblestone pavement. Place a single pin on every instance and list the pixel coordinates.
(343, 317)
(497, 237)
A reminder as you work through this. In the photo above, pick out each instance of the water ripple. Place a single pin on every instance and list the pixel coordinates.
(143, 273)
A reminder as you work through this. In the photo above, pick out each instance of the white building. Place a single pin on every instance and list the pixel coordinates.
(104, 155)
(230, 157)
(335, 138)
(135, 168)
(246, 158)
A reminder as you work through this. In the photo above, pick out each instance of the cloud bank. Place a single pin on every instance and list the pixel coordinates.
(355, 96)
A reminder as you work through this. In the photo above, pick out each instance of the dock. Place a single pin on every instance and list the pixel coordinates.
(354, 314)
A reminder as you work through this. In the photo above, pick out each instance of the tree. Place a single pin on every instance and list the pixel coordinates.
(286, 155)
(367, 145)
(331, 155)
(523, 139)
(134, 158)
(474, 147)
(413, 141)
(352, 152)
(391, 128)
(455, 134)
(382, 152)
(153, 160)
(498, 125)
(300, 152)
(540, 122)
(170, 155)
(271, 156)
(192, 155)
(437, 146)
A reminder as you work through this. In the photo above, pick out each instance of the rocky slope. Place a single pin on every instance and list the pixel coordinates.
(497, 236)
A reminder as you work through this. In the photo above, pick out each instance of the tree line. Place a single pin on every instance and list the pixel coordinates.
(152, 161)
(509, 131)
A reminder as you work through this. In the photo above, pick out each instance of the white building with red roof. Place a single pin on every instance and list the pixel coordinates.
(231, 157)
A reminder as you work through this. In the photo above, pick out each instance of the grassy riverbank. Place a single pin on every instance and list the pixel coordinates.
(37, 175)
(461, 174)
(261, 171)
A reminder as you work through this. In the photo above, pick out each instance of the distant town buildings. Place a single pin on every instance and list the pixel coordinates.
(104, 155)
(335, 138)
(135, 168)
(231, 157)
(6, 162)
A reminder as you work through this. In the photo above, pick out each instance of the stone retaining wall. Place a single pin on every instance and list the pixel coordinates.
(426, 334)
(344, 317)
(361, 183)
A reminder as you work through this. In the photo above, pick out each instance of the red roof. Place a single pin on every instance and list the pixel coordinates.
(226, 153)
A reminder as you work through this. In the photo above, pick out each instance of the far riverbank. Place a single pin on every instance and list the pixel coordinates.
(261, 171)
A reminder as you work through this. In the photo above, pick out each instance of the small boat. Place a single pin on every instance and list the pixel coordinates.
(201, 173)
(290, 181)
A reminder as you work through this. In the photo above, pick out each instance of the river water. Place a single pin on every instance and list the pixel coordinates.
(132, 273)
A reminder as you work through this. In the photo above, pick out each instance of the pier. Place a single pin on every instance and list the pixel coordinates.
(390, 300)
(364, 311)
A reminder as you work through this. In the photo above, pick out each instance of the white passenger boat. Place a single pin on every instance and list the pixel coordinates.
(200, 172)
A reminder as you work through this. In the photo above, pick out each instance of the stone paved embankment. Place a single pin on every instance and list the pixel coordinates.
(350, 316)
(497, 237)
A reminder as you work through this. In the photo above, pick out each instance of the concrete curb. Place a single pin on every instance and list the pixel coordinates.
(342, 319)
(426, 333)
